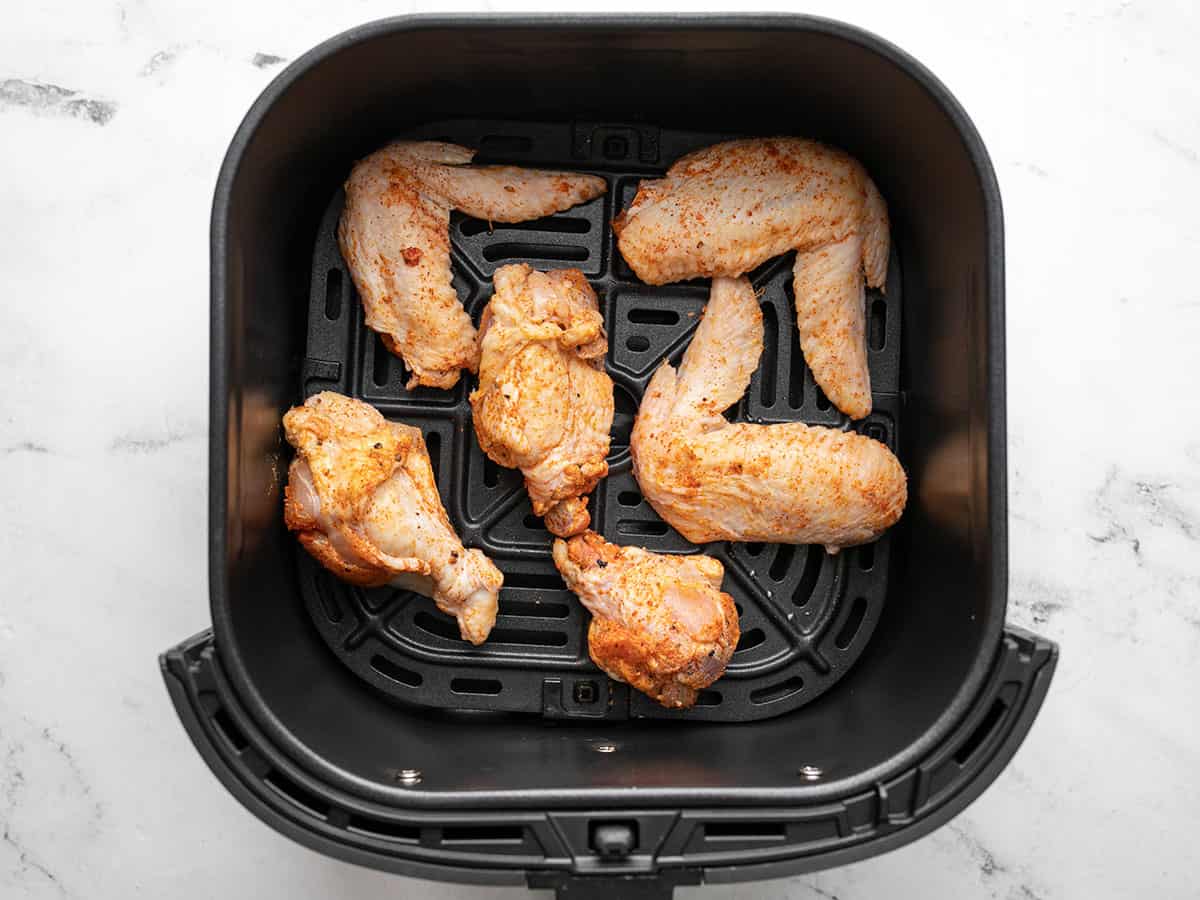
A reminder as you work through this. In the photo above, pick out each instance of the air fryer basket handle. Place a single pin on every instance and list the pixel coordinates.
(615, 887)
(891, 813)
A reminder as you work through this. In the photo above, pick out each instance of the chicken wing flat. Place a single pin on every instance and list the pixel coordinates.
(362, 498)
(714, 480)
(724, 210)
(660, 623)
(395, 237)
(544, 404)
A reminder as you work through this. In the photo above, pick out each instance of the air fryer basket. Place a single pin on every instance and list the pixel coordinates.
(292, 696)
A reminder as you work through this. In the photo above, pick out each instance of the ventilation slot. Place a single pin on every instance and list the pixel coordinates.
(439, 625)
(228, 730)
(509, 250)
(755, 549)
(876, 432)
(398, 674)
(491, 473)
(551, 225)
(750, 639)
(483, 834)
(795, 368)
(534, 523)
(708, 698)
(782, 562)
(500, 144)
(629, 498)
(488, 686)
(644, 529)
(528, 637)
(777, 691)
(297, 795)
(877, 325)
(745, 831)
(624, 410)
(433, 443)
(810, 575)
(638, 343)
(770, 351)
(822, 401)
(654, 317)
(381, 371)
(387, 831)
(533, 580)
(866, 557)
(981, 733)
(532, 609)
(333, 295)
(853, 622)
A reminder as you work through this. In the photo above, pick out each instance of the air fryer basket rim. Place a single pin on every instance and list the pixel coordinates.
(220, 411)
(193, 667)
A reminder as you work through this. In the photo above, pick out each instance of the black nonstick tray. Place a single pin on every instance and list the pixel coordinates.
(806, 615)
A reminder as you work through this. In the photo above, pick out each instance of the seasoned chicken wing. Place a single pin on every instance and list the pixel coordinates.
(544, 403)
(362, 499)
(725, 209)
(714, 480)
(394, 236)
(660, 623)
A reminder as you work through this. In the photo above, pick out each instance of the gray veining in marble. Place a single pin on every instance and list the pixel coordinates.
(55, 100)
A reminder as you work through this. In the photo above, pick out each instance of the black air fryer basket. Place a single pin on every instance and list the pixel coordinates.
(874, 693)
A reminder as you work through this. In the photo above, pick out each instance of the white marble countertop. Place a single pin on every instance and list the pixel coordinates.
(114, 117)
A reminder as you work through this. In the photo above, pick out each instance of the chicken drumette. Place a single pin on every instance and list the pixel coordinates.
(362, 498)
(714, 480)
(725, 209)
(394, 236)
(544, 403)
(660, 623)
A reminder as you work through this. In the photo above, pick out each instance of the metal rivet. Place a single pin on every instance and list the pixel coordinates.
(811, 773)
(605, 748)
(409, 777)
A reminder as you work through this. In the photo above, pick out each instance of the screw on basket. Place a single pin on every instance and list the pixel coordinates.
(408, 777)
(605, 748)
(811, 773)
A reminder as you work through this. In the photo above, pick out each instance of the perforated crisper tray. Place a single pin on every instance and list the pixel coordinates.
(805, 615)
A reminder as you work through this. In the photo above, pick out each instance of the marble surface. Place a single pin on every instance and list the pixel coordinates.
(113, 120)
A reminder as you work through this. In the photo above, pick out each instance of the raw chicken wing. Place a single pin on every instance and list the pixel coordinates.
(362, 498)
(394, 235)
(544, 403)
(660, 623)
(714, 480)
(724, 210)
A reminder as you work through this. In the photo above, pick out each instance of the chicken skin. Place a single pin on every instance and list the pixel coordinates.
(395, 237)
(544, 404)
(714, 480)
(725, 209)
(362, 498)
(661, 624)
